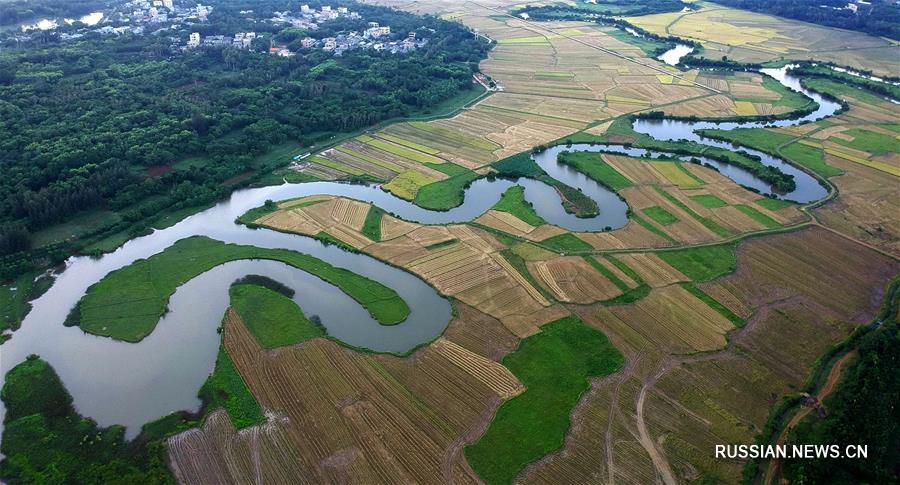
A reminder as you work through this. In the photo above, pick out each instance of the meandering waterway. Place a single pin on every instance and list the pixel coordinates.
(130, 384)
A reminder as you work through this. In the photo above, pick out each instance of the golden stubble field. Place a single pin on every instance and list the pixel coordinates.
(753, 37)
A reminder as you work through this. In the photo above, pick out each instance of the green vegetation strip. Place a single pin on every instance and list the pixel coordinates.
(274, 319)
(702, 263)
(660, 215)
(442, 244)
(513, 201)
(226, 389)
(631, 295)
(773, 204)
(372, 225)
(607, 273)
(709, 201)
(555, 366)
(708, 223)
(566, 243)
(650, 227)
(445, 194)
(758, 216)
(593, 165)
(127, 303)
(715, 305)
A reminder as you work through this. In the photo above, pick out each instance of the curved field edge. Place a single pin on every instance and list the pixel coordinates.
(555, 365)
(127, 303)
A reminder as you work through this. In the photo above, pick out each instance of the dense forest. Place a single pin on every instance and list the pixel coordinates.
(864, 410)
(875, 17)
(99, 122)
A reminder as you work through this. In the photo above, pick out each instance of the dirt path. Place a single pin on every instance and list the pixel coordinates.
(773, 472)
(659, 458)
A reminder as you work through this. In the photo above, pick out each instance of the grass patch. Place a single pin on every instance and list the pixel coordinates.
(593, 165)
(773, 204)
(660, 215)
(714, 304)
(870, 141)
(708, 223)
(445, 194)
(608, 274)
(518, 262)
(566, 243)
(702, 263)
(812, 158)
(127, 303)
(442, 244)
(650, 227)
(15, 298)
(448, 168)
(518, 165)
(758, 216)
(226, 389)
(274, 319)
(513, 201)
(555, 365)
(709, 201)
(372, 226)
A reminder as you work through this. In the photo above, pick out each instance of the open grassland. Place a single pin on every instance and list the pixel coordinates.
(555, 366)
(799, 293)
(752, 37)
(513, 202)
(127, 303)
(335, 415)
(271, 317)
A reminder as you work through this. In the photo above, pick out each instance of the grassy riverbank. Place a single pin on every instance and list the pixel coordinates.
(127, 303)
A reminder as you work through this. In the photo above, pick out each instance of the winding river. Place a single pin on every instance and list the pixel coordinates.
(130, 384)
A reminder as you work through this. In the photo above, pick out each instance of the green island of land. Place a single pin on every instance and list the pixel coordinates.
(127, 303)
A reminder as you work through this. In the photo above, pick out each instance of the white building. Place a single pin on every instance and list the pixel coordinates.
(168, 4)
(375, 32)
(305, 9)
(329, 43)
(194, 40)
(307, 42)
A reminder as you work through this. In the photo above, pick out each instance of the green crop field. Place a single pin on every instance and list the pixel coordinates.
(513, 201)
(702, 263)
(127, 303)
(592, 165)
(709, 201)
(274, 319)
(555, 366)
(660, 215)
(758, 216)
(566, 243)
(372, 225)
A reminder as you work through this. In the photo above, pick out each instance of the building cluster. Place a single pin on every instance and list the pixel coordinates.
(371, 38)
(241, 40)
(309, 18)
(163, 11)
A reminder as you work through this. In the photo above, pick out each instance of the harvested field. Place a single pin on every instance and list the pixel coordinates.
(645, 421)
(370, 419)
(572, 279)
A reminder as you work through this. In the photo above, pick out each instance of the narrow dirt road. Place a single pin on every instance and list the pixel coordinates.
(773, 472)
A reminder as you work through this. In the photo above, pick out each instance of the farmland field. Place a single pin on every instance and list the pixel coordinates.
(550, 348)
